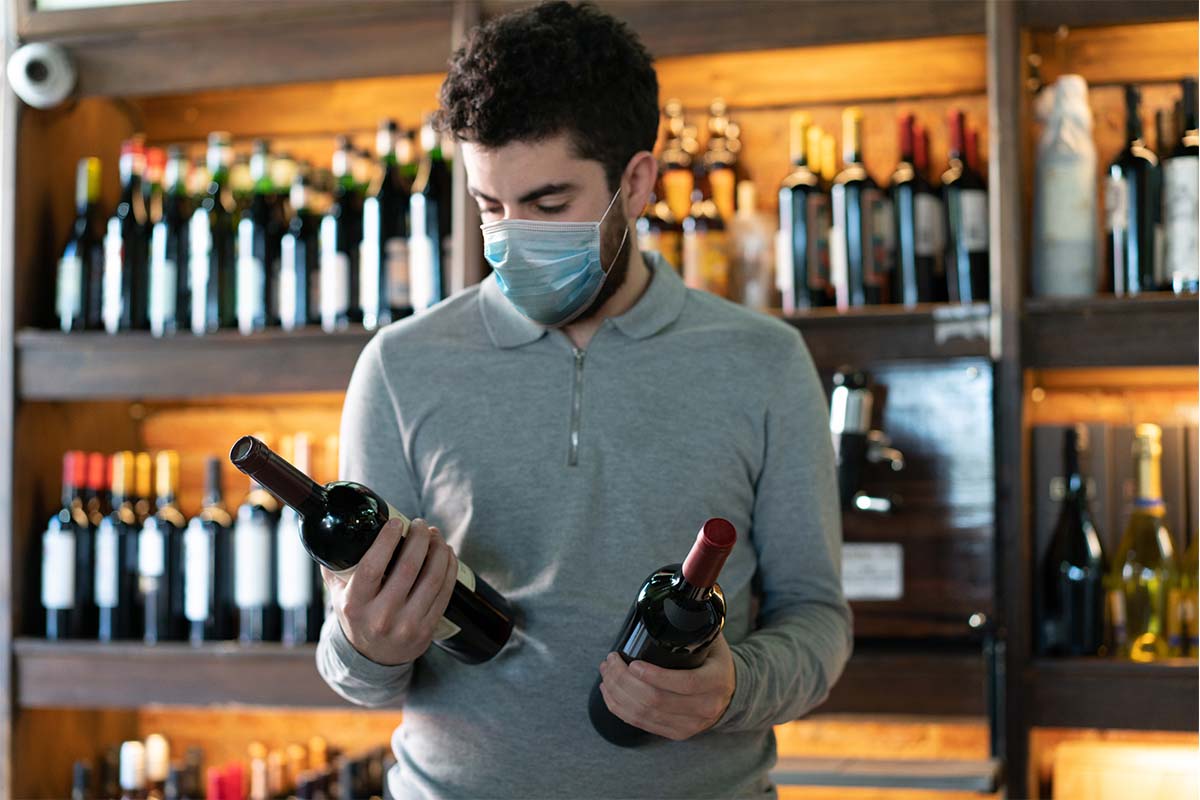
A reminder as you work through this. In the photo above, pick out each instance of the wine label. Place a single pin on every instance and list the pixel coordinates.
(162, 281)
(335, 276)
(112, 302)
(199, 252)
(873, 571)
(974, 230)
(883, 239)
(1181, 217)
(107, 560)
(445, 628)
(1175, 621)
(422, 262)
(785, 259)
(197, 574)
(58, 569)
(1116, 203)
(294, 584)
(706, 261)
(69, 301)
(369, 258)
(151, 550)
(287, 284)
(819, 223)
(251, 280)
(929, 237)
(839, 265)
(395, 254)
(252, 561)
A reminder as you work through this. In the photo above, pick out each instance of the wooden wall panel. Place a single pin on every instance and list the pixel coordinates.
(46, 742)
(1146, 53)
(1044, 744)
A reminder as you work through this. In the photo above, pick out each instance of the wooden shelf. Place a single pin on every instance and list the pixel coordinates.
(863, 336)
(1107, 693)
(89, 366)
(132, 675)
(871, 773)
(917, 679)
(1154, 330)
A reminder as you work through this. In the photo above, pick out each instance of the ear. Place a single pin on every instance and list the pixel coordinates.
(637, 183)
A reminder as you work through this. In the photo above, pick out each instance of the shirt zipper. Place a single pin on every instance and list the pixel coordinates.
(576, 409)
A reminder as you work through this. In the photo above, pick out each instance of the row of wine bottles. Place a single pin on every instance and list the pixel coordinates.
(261, 246)
(119, 565)
(1139, 602)
(842, 240)
(145, 770)
(1151, 208)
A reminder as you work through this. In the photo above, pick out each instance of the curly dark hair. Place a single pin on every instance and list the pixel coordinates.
(555, 68)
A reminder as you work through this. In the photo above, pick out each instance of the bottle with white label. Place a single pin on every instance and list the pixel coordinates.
(917, 216)
(384, 282)
(1131, 206)
(429, 215)
(345, 227)
(207, 567)
(1064, 200)
(1181, 201)
(160, 559)
(300, 261)
(78, 292)
(965, 194)
(116, 584)
(860, 276)
(259, 233)
(339, 523)
(169, 297)
(298, 578)
(254, 533)
(211, 246)
(58, 578)
(126, 279)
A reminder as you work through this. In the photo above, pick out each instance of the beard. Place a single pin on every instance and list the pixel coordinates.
(611, 233)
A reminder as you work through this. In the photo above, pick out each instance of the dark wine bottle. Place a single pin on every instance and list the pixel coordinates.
(1072, 585)
(678, 614)
(804, 265)
(259, 233)
(967, 221)
(384, 255)
(170, 299)
(254, 532)
(58, 579)
(340, 522)
(1181, 200)
(126, 279)
(207, 575)
(917, 218)
(212, 247)
(930, 236)
(298, 578)
(116, 585)
(160, 550)
(79, 291)
(343, 227)
(860, 269)
(429, 217)
(81, 781)
(300, 262)
(1131, 205)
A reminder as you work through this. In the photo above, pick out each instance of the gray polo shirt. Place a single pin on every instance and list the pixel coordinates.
(564, 477)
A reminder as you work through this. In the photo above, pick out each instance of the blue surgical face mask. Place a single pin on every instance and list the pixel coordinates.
(551, 271)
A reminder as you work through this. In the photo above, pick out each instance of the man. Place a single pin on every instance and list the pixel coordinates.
(566, 427)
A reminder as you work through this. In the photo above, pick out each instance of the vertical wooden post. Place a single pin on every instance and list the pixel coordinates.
(467, 263)
(1006, 246)
(8, 200)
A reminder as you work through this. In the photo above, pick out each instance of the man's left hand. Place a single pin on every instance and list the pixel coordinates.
(674, 703)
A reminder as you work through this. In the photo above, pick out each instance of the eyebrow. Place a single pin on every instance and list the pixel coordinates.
(530, 196)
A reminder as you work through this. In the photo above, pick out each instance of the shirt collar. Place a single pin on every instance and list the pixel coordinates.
(659, 306)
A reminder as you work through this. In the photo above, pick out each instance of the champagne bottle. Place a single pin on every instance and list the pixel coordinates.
(678, 614)
(1073, 571)
(340, 522)
(1145, 561)
(79, 291)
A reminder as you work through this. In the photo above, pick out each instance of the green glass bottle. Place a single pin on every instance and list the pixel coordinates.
(1145, 565)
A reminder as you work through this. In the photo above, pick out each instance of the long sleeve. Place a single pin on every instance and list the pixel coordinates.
(786, 667)
(371, 453)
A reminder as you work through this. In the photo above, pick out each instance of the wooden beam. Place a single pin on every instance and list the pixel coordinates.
(466, 266)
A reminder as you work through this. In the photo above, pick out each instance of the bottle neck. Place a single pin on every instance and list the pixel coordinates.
(275, 473)
(957, 143)
(852, 139)
(1149, 483)
(1133, 119)
(688, 591)
(906, 140)
(212, 485)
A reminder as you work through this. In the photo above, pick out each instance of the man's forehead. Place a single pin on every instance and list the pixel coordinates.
(519, 167)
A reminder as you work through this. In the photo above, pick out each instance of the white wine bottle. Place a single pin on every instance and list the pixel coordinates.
(1144, 565)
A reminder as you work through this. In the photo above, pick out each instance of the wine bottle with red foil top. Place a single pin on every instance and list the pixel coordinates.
(678, 614)
(339, 523)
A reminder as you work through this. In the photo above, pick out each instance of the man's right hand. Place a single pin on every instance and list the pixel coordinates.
(389, 615)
